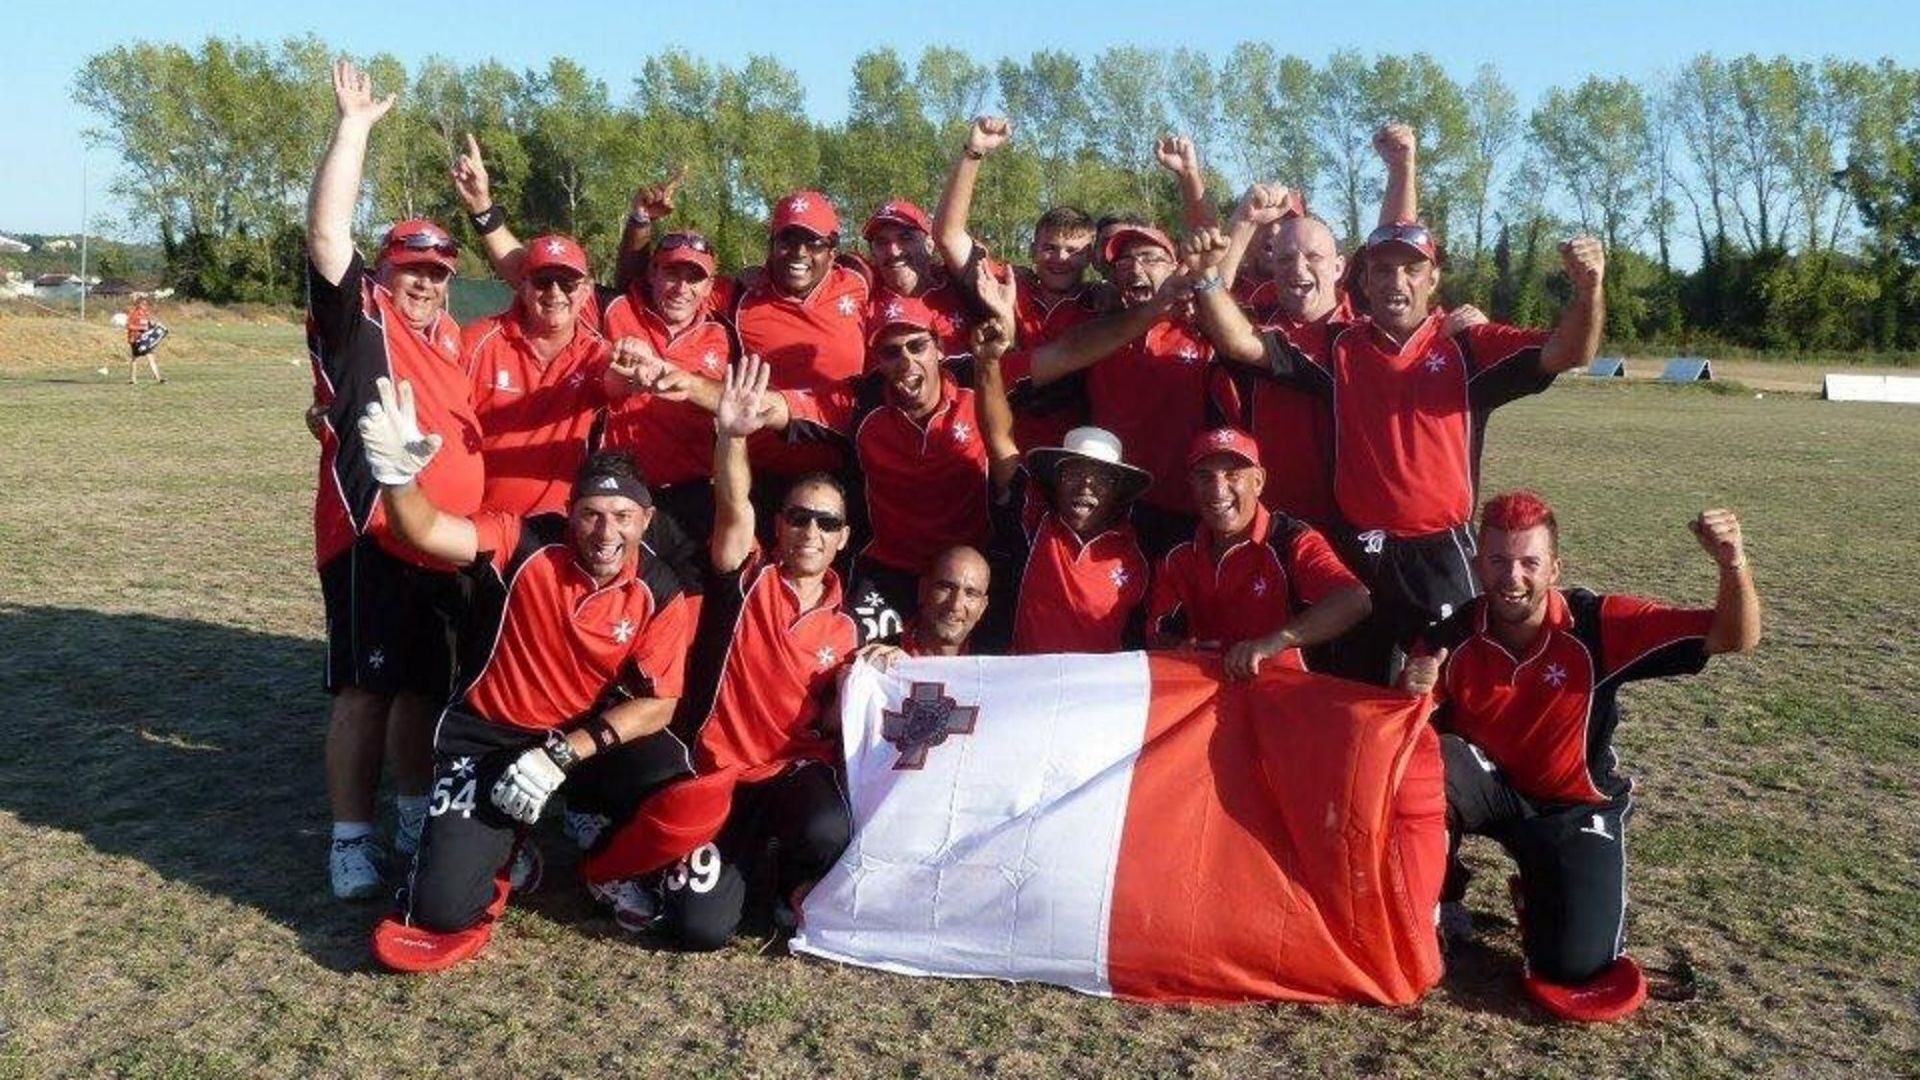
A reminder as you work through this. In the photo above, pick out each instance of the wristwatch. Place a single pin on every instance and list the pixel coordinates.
(561, 751)
(639, 221)
(1207, 284)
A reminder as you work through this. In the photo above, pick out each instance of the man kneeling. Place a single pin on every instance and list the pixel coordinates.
(1525, 678)
(568, 613)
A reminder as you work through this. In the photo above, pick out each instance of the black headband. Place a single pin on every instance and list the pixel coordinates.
(607, 483)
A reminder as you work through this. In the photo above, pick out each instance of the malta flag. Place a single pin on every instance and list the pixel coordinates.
(1132, 826)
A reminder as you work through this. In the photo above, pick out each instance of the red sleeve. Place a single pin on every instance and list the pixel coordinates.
(661, 652)
(831, 407)
(496, 536)
(1167, 600)
(1314, 569)
(1492, 344)
(1016, 367)
(721, 297)
(1640, 639)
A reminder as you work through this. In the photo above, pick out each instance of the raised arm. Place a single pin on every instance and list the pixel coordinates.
(336, 184)
(1262, 207)
(991, 339)
(651, 203)
(739, 413)
(1577, 338)
(1736, 609)
(1398, 149)
(397, 453)
(1092, 341)
(1178, 155)
(1221, 319)
(471, 183)
(950, 236)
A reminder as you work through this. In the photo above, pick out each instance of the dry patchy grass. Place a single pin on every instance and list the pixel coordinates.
(162, 815)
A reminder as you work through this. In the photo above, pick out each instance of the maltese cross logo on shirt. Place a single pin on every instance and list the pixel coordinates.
(1555, 676)
(962, 432)
(711, 361)
(826, 656)
(1120, 577)
(1188, 355)
(503, 380)
(377, 659)
(1260, 586)
(848, 307)
(1436, 362)
(623, 631)
(462, 766)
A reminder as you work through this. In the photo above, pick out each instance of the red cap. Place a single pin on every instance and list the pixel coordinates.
(1223, 440)
(684, 248)
(807, 210)
(895, 312)
(1127, 235)
(554, 252)
(1408, 234)
(897, 212)
(416, 241)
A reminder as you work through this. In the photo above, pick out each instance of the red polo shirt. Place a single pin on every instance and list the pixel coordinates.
(544, 641)
(926, 482)
(355, 336)
(1546, 717)
(1257, 586)
(1042, 416)
(953, 311)
(811, 342)
(1152, 393)
(535, 415)
(1072, 595)
(761, 672)
(672, 440)
(1409, 420)
(1292, 426)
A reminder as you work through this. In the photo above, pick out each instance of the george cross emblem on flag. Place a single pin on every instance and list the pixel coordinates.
(623, 631)
(926, 717)
(1555, 676)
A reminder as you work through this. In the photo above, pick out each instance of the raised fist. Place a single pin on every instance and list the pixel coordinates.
(1265, 204)
(1719, 533)
(1202, 251)
(1177, 155)
(988, 133)
(1585, 261)
(1395, 143)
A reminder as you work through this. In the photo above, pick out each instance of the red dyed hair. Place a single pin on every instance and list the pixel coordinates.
(1514, 511)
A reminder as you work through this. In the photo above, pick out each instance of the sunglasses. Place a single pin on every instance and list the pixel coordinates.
(564, 282)
(425, 241)
(900, 350)
(800, 517)
(691, 241)
(803, 241)
(1417, 235)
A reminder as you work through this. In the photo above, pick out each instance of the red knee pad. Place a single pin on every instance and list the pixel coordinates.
(1616, 993)
(415, 949)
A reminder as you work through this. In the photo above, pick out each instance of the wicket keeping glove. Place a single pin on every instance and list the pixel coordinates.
(396, 450)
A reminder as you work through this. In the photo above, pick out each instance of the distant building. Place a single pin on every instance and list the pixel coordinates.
(11, 246)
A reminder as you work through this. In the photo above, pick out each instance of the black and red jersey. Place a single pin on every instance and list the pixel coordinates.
(355, 336)
(543, 641)
(925, 482)
(1546, 717)
(672, 440)
(1071, 595)
(1253, 589)
(1409, 421)
(761, 671)
(1291, 424)
(1042, 415)
(810, 342)
(535, 415)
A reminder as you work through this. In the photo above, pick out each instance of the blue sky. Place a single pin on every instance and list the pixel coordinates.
(1536, 46)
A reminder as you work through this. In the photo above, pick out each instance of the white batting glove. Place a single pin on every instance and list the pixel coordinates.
(523, 790)
(396, 450)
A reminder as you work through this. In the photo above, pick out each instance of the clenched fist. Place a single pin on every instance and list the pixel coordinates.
(1395, 143)
(1719, 533)
(1177, 155)
(1585, 261)
(988, 133)
(1202, 251)
(1264, 204)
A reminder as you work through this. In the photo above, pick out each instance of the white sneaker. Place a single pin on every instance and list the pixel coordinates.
(636, 907)
(584, 829)
(1456, 924)
(527, 869)
(351, 865)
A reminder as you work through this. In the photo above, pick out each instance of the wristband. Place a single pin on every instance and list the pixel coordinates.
(561, 751)
(639, 221)
(488, 220)
(602, 733)
(973, 155)
(1207, 284)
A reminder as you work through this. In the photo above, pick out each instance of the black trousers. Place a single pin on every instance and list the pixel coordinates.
(467, 839)
(1415, 581)
(802, 811)
(1572, 861)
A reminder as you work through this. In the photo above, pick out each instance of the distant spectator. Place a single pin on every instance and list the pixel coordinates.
(144, 335)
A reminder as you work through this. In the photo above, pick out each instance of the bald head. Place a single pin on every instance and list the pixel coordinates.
(953, 596)
(1307, 268)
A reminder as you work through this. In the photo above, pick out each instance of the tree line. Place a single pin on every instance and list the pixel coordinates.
(1792, 186)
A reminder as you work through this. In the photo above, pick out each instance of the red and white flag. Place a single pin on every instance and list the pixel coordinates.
(1131, 826)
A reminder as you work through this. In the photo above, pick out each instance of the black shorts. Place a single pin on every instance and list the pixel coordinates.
(1572, 861)
(390, 625)
(1416, 581)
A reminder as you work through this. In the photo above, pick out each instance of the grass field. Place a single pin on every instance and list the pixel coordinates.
(162, 815)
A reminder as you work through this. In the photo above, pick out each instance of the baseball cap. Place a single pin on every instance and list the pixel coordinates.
(416, 241)
(1127, 235)
(896, 312)
(1409, 234)
(897, 212)
(554, 252)
(807, 210)
(1223, 440)
(684, 248)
